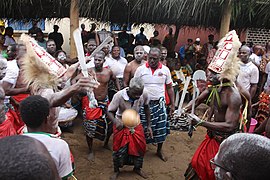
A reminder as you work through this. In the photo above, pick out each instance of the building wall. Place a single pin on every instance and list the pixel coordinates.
(258, 36)
(191, 33)
(184, 34)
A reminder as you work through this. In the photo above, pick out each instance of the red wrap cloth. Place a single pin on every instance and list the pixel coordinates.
(201, 159)
(18, 122)
(136, 141)
(6, 128)
(90, 113)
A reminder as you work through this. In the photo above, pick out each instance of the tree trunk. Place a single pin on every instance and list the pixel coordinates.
(74, 24)
(226, 18)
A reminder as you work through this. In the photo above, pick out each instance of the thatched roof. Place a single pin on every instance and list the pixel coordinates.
(205, 13)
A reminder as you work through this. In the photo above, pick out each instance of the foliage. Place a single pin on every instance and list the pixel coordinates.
(204, 13)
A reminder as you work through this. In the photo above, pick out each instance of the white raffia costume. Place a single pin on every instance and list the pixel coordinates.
(42, 72)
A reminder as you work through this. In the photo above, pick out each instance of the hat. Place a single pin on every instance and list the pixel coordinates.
(198, 39)
(225, 61)
(146, 49)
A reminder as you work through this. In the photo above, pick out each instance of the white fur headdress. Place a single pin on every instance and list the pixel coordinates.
(39, 68)
(225, 61)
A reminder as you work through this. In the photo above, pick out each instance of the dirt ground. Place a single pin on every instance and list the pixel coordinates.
(179, 149)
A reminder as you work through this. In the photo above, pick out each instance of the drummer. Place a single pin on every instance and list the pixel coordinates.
(129, 146)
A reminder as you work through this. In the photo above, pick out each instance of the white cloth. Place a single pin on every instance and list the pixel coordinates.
(9, 41)
(249, 74)
(11, 76)
(267, 71)
(255, 59)
(117, 66)
(154, 83)
(59, 151)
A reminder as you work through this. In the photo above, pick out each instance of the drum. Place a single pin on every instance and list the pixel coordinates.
(66, 116)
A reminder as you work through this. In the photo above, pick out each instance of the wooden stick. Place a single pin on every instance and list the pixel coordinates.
(183, 95)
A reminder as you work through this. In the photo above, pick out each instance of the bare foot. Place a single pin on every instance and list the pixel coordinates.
(114, 176)
(141, 173)
(91, 157)
(106, 146)
(161, 156)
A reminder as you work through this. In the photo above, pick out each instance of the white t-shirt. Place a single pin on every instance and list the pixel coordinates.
(11, 76)
(117, 66)
(249, 74)
(59, 151)
(154, 82)
(255, 59)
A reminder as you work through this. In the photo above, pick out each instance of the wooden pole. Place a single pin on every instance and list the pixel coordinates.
(226, 18)
(74, 24)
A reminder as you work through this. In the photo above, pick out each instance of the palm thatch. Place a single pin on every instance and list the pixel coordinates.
(204, 13)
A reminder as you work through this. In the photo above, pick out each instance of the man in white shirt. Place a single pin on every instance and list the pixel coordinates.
(156, 77)
(249, 73)
(35, 113)
(117, 64)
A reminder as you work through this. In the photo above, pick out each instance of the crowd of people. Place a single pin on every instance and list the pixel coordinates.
(132, 72)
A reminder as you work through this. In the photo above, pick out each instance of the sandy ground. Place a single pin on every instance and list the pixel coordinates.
(179, 149)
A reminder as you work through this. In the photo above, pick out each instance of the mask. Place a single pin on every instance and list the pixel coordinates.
(139, 55)
(61, 57)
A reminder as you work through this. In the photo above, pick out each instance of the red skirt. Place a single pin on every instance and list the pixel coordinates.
(201, 159)
(6, 128)
(136, 141)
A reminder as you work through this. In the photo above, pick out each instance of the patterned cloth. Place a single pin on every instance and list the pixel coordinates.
(95, 123)
(187, 71)
(264, 61)
(128, 147)
(121, 158)
(263, 109)
(159, 122)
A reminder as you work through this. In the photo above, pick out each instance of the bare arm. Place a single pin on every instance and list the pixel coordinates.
(252, 91)
(147, 114)
(72, 61)
(261, 128)
(171, 96)
(127, 75)
(59, 98)
(9, 91)
(111, 116)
